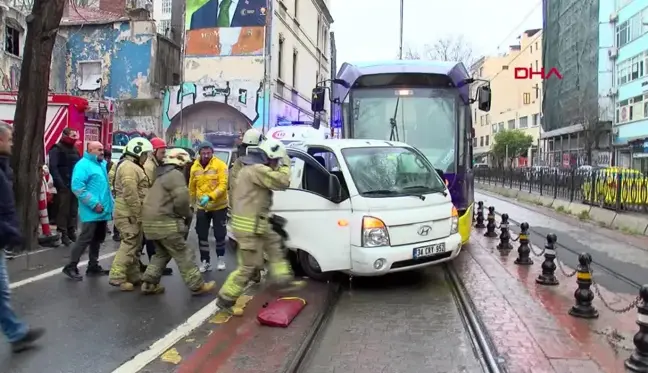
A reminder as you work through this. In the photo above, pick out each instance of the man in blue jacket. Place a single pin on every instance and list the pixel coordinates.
(90, 185)
(19, 334)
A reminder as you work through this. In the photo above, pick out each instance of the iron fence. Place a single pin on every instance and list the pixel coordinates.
(611, 188)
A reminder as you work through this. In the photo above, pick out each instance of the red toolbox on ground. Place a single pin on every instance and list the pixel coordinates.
(281, 312)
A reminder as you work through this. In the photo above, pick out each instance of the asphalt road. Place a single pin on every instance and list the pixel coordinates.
(92, 326)
(609, 255)
(406, 322)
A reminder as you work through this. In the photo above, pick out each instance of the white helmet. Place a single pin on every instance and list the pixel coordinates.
(273, 149)
(252, 137)
(138, 146)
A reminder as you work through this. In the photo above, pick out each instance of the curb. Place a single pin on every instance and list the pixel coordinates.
(608, 218)
(293, 365)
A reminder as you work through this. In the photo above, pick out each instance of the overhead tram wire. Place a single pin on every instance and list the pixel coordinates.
(516, 57)
(524, 19)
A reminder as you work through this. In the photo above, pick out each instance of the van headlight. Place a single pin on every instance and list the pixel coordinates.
(374, 232)
(454, 221)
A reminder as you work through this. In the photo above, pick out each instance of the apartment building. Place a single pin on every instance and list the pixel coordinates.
(631, 107)
(256, 67)
(517, 97)
(162, 15)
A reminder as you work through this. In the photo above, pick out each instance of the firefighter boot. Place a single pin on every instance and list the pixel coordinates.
(229, 307)
(205, 288)
(122, 285)
(152, 289)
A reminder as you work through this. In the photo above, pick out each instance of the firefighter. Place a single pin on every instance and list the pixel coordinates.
(130, 185)
(166, 216)
(208, 191)
(111, 181)
(262, 172)
(152, 163)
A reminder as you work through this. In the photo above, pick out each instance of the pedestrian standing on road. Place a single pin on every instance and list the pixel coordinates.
(150, 166)
(62, 158)
(90, 185)
(131, 185)
(166, 216)
(208, 191)
(19, 334)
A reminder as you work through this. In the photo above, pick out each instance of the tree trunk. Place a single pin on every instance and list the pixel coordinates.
(31, 110)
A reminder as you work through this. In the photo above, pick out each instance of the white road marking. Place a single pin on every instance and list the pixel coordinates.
(32, 253)
(53, 272)
(142, 359)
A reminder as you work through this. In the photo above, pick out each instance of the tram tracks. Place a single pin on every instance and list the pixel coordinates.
(475, 332)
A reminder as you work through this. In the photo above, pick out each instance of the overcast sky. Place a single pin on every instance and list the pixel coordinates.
(369, 29)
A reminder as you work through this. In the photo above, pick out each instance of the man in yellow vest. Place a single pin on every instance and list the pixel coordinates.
(208, 191)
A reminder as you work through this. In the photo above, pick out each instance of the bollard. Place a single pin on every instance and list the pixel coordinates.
(524, 251)
(490, 226)
(638, 360)
(505, 236)
(548, 276)
(584, 295)
(480, 215)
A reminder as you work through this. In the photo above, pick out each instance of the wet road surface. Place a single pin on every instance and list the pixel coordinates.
(92, 326)
(612, 258)
(406, 322)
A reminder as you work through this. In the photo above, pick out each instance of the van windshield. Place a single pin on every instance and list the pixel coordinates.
(222, 155)
(391, 171)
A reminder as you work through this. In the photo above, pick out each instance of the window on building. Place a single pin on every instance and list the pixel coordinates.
(481, 120)
(294, 69)
(166, 6)
(500, 127)
(536, 66)
(475, 142)
(536, 44)
(524, 122)
(325, 33)
(487, 140)
(635, 27)
(165, 27)
(536, 120)
(526, 98)
(487, 120)
(280, 57)
(511, 124)
(644, 20)
(475, 116)
(637, 67)
(12, 40)
(632, 69)
(319, 29)
(531, 49)
(494, 128)
(89, 75)
(481, 141)
(622, 34)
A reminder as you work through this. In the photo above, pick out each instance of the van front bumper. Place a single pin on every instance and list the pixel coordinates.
(365, 260)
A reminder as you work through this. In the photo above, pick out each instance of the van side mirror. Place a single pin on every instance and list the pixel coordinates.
(317, 99)
(484, 97)
(334, 189)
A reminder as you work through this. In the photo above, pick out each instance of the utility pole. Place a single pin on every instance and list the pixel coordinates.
(402, 4)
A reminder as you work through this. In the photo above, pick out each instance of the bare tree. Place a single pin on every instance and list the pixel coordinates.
(26, 6)
(31, 108)
(450, 48)
(410, 53)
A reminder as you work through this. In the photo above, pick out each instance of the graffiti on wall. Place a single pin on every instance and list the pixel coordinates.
(121, 138)
(11, 79)
(236, 30)
(192, 111)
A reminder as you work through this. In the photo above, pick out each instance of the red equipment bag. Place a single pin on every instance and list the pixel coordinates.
(281, 311)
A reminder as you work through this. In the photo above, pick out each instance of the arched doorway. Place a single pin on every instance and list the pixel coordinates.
(189, 127)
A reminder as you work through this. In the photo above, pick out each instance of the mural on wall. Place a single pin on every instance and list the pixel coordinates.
(121, 138)
(225, 27)
(193, 112)
(11, 79)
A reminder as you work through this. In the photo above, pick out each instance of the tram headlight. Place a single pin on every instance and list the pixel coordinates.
(454, 221)
(374, 232)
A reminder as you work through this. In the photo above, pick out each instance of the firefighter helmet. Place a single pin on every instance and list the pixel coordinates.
(177, 157)
(138, 146)
(273, 149)
(252, 137)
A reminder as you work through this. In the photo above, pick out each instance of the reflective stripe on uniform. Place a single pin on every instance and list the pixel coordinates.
(248, 225)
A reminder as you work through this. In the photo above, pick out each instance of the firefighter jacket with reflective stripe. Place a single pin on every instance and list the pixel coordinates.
(130, 186)
(209, 181)
(149, 168)
(252, 196)
(166, 208)
(233, 174)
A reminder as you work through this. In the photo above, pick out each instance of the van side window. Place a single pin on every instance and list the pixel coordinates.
(328, 159)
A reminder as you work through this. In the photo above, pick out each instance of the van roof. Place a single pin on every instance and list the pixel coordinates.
(338, 144)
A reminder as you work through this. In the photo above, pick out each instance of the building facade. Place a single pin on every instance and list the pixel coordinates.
(256, 67)
(578, 109)
(114, 52)
(631, 50)
(517, 101)
(162, 15)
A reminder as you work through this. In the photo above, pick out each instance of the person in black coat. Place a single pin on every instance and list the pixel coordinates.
(62, 158)
(18, 333)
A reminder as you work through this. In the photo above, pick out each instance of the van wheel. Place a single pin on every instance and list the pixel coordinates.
(311, 268)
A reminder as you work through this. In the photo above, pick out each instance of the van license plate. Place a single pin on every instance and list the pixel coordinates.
(422, 252)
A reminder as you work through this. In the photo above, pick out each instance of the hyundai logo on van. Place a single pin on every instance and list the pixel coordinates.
(424, 230)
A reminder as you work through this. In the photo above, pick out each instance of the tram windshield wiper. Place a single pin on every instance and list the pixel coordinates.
(394, 125)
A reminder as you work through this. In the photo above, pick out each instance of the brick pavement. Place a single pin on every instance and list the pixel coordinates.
(406, 323)
(529, 324)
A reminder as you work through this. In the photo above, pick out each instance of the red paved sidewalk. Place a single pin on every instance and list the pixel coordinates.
(241, 344)
(529, 324)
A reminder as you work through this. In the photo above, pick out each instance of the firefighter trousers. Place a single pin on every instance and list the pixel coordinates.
(125, 266)
(174, 247)
(251, 249)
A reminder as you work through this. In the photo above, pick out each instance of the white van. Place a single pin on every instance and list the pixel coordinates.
(297, 133)
(367, 208)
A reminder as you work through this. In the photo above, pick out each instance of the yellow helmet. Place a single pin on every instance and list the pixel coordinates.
(177, 157)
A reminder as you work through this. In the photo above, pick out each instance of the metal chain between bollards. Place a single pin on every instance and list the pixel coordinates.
(541, 253)
(562, 269)
(625, 309)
